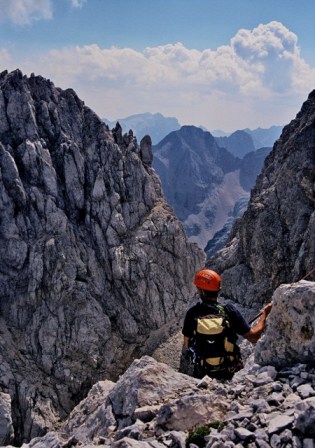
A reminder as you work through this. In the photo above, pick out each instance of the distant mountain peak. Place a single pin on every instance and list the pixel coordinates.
(156, 125)
(239, 143)
(264, 137)
(201, 180)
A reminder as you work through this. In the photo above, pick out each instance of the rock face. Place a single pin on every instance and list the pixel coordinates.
(239, 143)
(203, 181)
(251, 165)
(290, 334)
(6, 424)
(153, 406)
(221, 237)
(94, 267)
(273, 243)
(199, 180)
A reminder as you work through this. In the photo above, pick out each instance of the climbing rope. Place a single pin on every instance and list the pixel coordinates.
(308, 274)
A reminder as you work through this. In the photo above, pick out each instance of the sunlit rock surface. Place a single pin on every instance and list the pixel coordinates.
(95, 269)
(290, 334)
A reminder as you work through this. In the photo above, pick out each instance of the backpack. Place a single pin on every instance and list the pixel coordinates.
(215, 341)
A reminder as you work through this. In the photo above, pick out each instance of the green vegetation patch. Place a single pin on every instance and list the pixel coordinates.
(197, 436)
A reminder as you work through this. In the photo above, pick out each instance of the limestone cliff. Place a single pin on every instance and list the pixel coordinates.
(94, 267)
(273, 243)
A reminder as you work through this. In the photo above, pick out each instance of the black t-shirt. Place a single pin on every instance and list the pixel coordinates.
(237, 321)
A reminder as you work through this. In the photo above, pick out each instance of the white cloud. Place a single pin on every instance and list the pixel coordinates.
(78, 3)
(24, 12)
(271, 50)
(255, 77)
(266, 60)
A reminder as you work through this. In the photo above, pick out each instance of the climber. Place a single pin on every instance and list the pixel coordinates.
(210, 330)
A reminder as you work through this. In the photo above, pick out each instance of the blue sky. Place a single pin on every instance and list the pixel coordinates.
(223, 64)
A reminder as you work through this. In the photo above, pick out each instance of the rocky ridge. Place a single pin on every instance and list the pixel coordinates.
(153, 405)
(95, 268)
(273, 242)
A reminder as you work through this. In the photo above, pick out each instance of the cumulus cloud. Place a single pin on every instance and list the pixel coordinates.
(271, 51)
(24, 12)
(260, 66)
(266, 59)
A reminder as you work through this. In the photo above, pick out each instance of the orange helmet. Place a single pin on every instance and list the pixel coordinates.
(208, 280)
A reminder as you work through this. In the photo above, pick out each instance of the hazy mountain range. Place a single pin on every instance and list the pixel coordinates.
(206, 177)
(158, 126)
(203, 181)
(261, 137)
(155, 125)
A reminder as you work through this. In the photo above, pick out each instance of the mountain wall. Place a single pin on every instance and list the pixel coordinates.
(220, 238)
(188, 163)
(239, 143)
(251, 165)
(273, 243)
(196, 177)
(203, 181)
(95, 269)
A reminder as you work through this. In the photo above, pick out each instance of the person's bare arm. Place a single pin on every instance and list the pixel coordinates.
(186, 341)
(255, 332)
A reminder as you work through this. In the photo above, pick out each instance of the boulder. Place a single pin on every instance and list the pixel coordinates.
(290, 334)
(151, 405)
